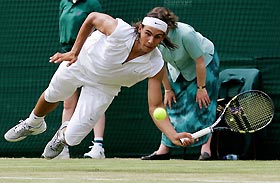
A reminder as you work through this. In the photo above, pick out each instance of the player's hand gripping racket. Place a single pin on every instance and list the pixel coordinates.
(247, 112)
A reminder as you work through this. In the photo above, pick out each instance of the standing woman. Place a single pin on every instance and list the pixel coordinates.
(72, 14)
(191, 89)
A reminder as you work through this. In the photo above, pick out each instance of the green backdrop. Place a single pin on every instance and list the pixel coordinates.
(246, 34)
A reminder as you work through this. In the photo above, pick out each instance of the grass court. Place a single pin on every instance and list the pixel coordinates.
(115, 170)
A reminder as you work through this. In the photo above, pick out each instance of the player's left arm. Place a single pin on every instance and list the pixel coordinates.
(154, 101)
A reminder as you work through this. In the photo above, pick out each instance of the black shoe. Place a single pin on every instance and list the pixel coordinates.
(155, 156)
(204, 156)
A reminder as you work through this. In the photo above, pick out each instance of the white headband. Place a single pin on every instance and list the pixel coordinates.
(155, 22)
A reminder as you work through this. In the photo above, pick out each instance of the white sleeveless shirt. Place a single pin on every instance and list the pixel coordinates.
(101, 60)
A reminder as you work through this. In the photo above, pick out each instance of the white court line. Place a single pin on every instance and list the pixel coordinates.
(231, 181)
(31, 178)
(188, 180)
(121, 180)
(108, 179)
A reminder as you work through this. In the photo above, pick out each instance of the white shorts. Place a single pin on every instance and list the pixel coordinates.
(91, 105)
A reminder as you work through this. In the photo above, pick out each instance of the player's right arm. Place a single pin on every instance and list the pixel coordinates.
(154, 101)
(102, 22)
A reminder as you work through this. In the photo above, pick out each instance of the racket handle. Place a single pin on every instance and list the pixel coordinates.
(199, 133)
(202, 132)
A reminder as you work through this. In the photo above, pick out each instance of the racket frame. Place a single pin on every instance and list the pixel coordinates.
(211, 128)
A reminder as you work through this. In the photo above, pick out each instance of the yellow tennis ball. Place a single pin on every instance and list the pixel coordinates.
(159, 114)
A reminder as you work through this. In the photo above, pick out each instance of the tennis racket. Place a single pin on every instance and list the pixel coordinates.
(246, 112)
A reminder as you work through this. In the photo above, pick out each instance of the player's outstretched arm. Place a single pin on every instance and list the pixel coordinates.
(102, 22)
(155, 101)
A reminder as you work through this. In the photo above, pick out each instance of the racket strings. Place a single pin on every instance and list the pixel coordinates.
(249, 112)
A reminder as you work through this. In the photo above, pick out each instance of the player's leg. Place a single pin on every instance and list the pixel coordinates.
(58, 90)
(69, 106)
(34, 124)
(97, 150)
(92, 104)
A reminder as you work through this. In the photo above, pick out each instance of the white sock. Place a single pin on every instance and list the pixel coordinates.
(98, 141)
(34, 120)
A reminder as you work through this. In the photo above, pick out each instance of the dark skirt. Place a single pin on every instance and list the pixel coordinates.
(185, 115)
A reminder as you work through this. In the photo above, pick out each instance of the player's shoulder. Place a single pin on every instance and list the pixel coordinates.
(123, 29)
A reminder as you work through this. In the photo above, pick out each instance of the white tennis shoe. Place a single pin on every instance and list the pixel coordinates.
(56, 144)
(22, 130)
(64, 154)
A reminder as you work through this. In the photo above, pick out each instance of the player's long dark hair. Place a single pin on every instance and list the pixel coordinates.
(165, 15)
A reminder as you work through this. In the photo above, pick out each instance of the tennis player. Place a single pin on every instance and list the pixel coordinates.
(101, 62)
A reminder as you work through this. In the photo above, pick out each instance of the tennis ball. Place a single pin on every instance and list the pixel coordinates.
(159, 114)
